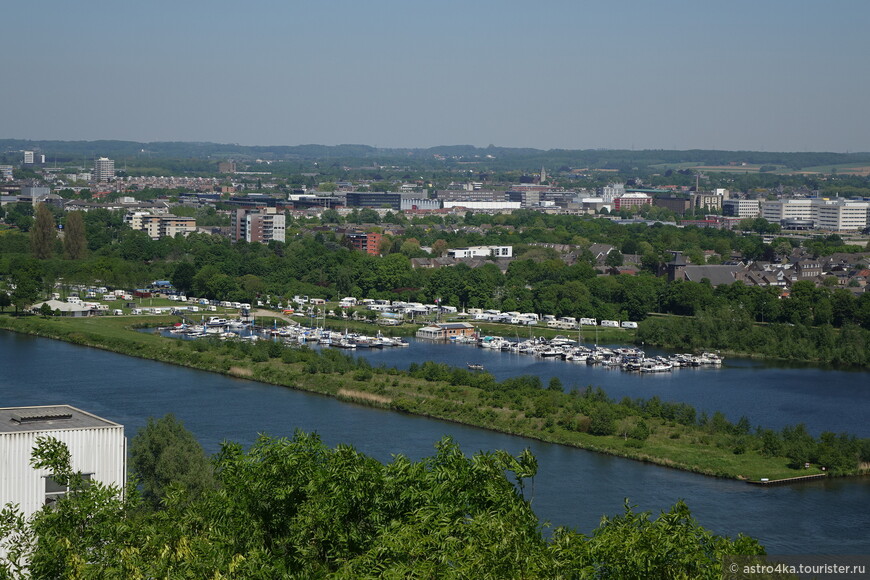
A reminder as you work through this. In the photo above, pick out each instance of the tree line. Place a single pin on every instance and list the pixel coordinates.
(97, 246)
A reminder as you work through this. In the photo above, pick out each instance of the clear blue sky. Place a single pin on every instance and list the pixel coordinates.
(759, 75)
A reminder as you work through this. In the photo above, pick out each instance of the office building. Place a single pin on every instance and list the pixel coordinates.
(741, 208)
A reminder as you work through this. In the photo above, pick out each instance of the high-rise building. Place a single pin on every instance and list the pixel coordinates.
(104, 169)
(258, 225)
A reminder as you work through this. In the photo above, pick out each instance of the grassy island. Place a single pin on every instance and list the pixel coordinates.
(654, 431)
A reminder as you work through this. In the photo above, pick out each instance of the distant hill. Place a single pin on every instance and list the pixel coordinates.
(626, 160)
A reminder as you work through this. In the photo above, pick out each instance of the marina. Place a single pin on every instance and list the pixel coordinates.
(573, 487)
(560, 347)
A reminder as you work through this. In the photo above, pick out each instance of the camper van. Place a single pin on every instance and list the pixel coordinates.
(629, 324)
(610, 323)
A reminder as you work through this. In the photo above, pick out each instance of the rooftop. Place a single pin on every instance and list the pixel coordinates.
(48, 418)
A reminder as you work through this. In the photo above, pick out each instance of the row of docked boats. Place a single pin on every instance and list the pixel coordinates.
(296, 334)
(214, 327)
(627, 359)
(345, 340)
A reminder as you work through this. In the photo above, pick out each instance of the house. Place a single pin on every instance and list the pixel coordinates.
(98, 450)
(716, 274)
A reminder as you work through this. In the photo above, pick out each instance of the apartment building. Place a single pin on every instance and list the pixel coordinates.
(368, 242)
(104, 169)
(160, 225)
(258, 225)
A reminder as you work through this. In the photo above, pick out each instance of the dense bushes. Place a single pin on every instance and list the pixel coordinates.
(291, 508)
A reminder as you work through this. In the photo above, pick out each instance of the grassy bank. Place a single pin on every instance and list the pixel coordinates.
(513, 406)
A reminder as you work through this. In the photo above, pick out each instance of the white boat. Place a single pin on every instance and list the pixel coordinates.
(655, 367)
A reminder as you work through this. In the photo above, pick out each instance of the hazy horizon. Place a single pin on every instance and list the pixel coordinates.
(673, 75)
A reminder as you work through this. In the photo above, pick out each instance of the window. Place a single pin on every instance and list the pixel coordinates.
(54, 490)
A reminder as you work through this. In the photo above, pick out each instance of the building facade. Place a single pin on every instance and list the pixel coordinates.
(741, 208)
(258, 225)
(368, 242)
(678, 205)
(789, 209)
(481, 252)
(708, 200)
(375, 199)
(826, 214)
(840, 215)
(98, 450)
(446, 331)
(160, 225)
(631, 200)
(104, 169)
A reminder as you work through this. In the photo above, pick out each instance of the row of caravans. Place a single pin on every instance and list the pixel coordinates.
(207, 302)
(571, 323)
(504, 317)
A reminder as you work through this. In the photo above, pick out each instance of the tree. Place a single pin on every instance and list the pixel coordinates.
(45, 310)
(330, 216)
(5, 300)
(439, 247)
(182, 276)
(44, 233)
(614, 259)
(74, 240)
(27, 279)
(163, 454)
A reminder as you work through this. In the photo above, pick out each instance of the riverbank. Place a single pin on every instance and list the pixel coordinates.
(542, 414)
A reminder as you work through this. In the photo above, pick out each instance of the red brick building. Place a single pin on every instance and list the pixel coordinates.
(369, 243)
(631, 200)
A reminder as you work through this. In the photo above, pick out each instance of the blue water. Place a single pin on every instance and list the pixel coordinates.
(770, 395)
(573, 488)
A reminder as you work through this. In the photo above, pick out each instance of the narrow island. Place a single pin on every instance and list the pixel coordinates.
(653, 431)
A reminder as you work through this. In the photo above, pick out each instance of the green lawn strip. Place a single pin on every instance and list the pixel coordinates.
(693, 450)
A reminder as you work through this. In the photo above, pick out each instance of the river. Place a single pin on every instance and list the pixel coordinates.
(573, 488)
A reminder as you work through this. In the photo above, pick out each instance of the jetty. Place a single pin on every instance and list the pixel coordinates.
(788, 480)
